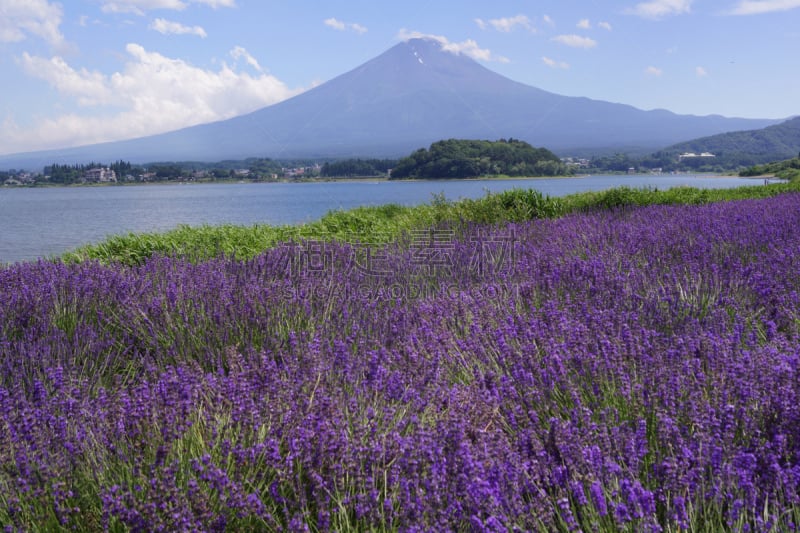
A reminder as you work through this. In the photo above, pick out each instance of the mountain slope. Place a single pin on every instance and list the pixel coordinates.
(408, 97)
(780, 141)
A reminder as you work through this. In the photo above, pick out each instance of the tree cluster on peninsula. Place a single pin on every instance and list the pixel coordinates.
(458, 158)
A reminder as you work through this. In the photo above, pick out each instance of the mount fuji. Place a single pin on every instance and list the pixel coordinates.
(413, 94)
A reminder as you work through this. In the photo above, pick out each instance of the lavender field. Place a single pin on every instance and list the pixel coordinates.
(633, 369)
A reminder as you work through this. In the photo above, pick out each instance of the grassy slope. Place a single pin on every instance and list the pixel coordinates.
(788, 169)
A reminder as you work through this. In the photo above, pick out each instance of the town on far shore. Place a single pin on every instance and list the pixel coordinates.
(269, 170)
(121, 172)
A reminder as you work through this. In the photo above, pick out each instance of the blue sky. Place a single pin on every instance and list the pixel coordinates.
(84, 71)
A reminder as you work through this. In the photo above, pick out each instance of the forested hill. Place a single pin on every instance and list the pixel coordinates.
(458, 158)
(750, 147)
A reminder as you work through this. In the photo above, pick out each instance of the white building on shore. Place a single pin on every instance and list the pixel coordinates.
(100, 175)
(691, 155)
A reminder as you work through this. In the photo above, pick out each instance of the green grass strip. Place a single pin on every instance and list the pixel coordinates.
(386, 223)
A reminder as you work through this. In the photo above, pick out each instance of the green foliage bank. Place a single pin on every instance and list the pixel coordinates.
(356, 168)
(788, 169)
(387, 223)
(455, 158)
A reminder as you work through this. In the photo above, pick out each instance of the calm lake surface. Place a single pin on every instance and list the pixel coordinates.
(45, 222)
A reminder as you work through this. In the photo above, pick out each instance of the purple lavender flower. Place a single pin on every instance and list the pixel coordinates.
(641, 368)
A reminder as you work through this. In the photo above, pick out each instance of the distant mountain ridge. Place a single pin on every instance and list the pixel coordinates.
(780, 141)
(413, 94)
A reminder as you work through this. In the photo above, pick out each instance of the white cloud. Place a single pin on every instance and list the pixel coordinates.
(657, 9)
(552, 63)
(90, 88)
(217, 3)
(168, 27)
(140, 7)
(38, 18)
(344, 26)
(701, 72)
(757, 7)
(653, 71)
(549, 21)
(151, 94)
(507, 24)
(584, 24)
(335, 24)
(575, 41)
(605, 26)
(468, 48)
(239, 53)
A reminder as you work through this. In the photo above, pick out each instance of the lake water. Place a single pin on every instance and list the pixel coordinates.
(45, 222)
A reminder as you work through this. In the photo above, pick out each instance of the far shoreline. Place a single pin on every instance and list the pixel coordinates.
(372, 179)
